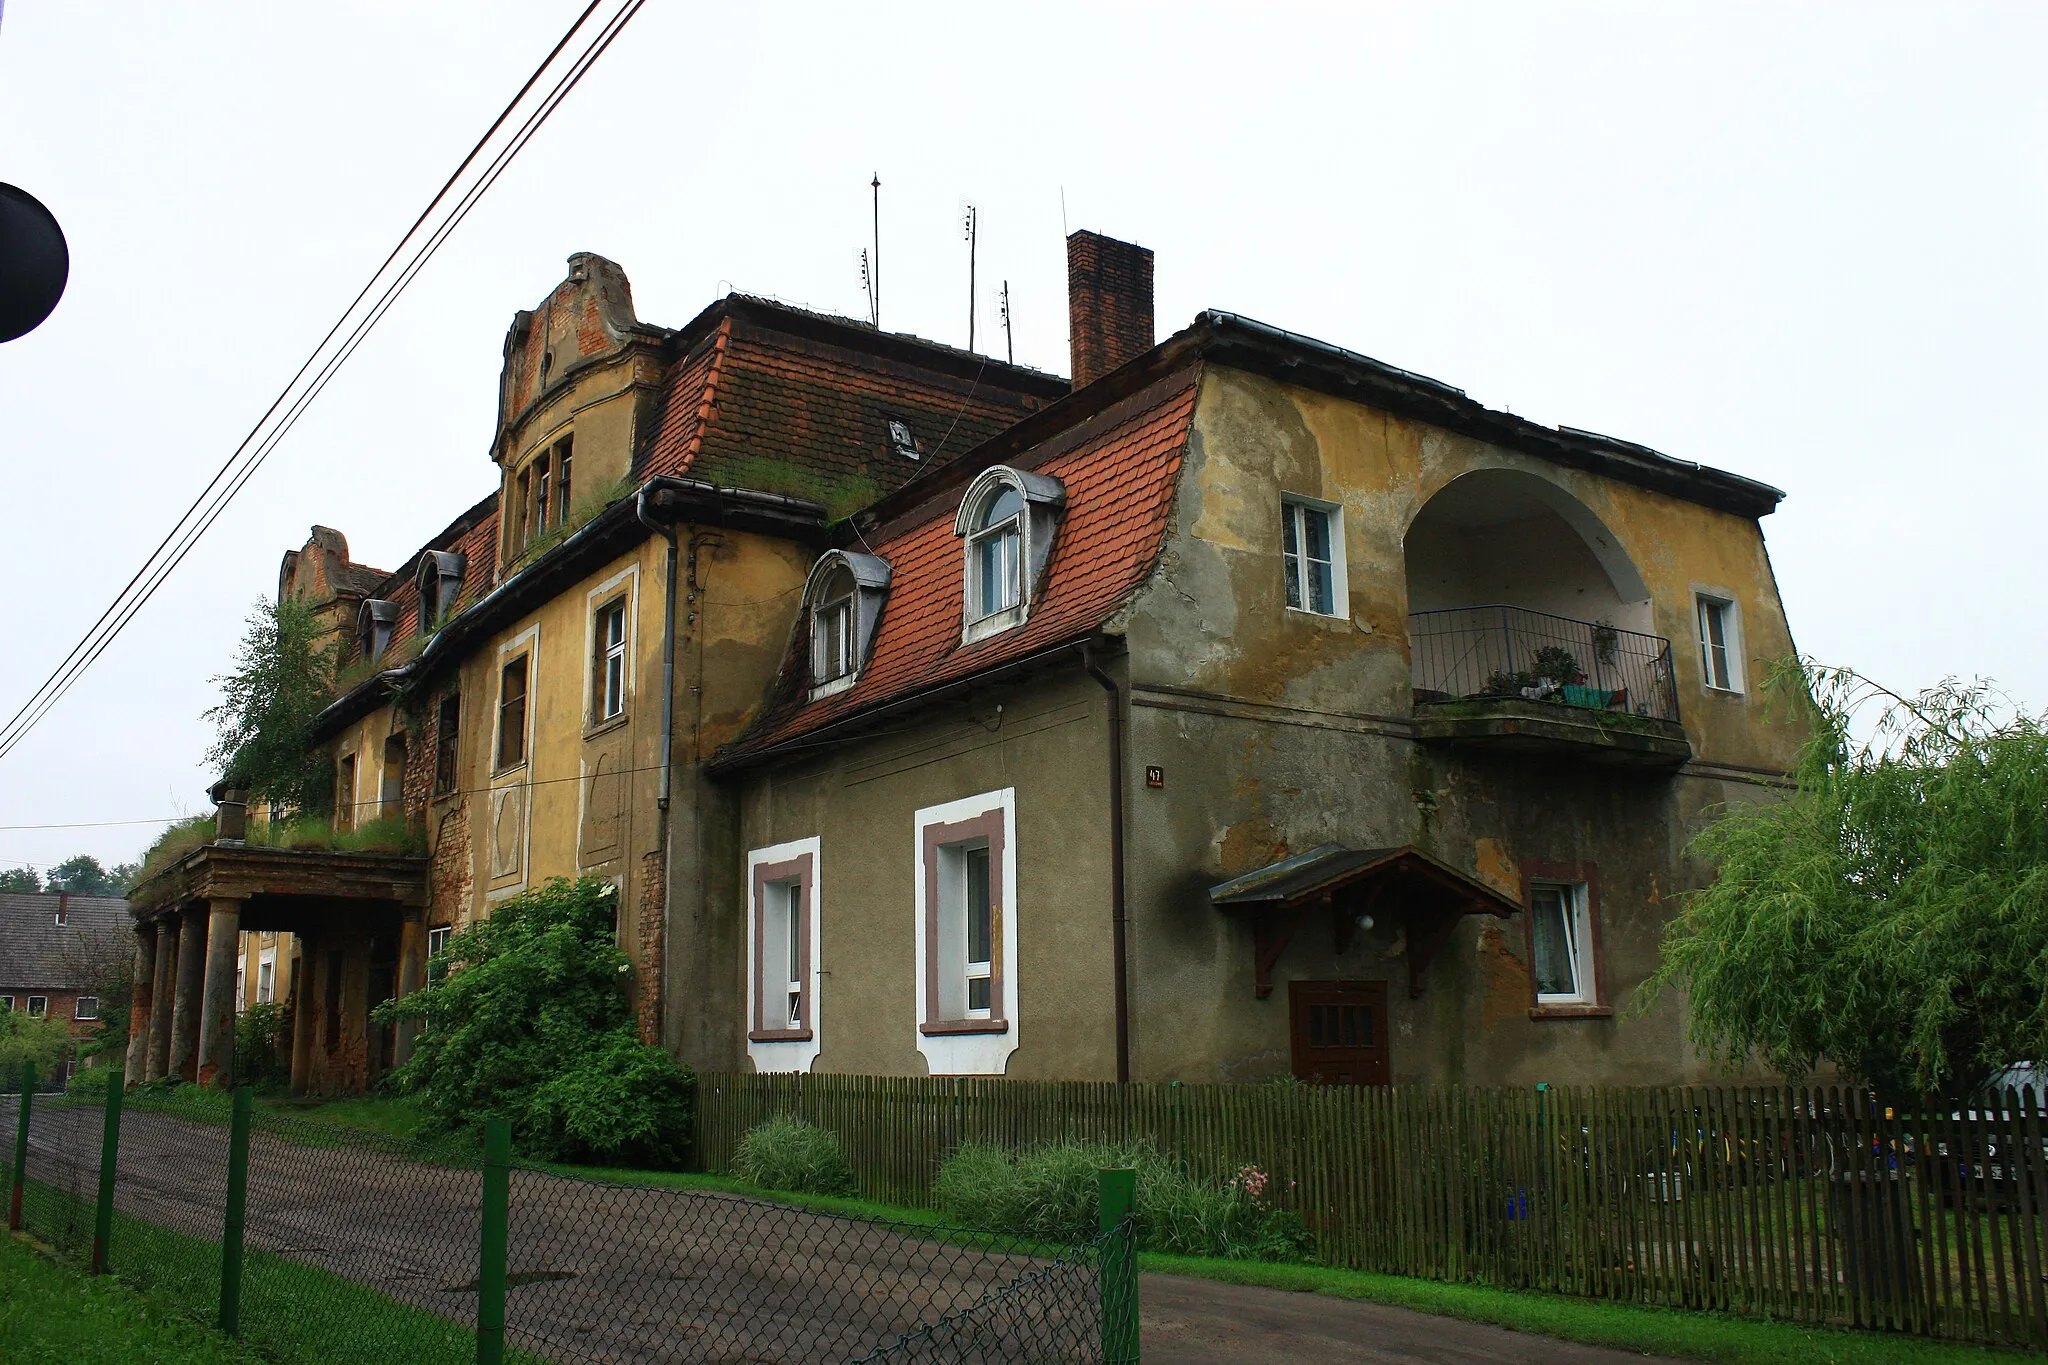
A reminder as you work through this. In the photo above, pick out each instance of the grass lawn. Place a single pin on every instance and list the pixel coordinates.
(1651, 1331)
(52, 1312)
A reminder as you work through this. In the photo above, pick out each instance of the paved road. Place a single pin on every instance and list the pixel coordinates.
(607, 1272)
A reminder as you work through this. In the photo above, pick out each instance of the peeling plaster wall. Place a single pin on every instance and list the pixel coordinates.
(1279, 730)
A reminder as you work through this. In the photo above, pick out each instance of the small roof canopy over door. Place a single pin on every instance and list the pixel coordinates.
(1423, 898)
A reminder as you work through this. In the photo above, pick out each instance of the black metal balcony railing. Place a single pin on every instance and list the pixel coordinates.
(1497, 651)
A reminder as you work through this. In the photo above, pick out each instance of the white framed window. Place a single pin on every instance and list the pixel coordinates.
(608, 661)
(967, 934)
(88, 1007)
(1561, 938)
(266, 977)
(1007, 518)
(783, 942)
(38, 1006)
(437, 939)
(832, 629)
(1720, 642)
(240, 999)
(1312, 556)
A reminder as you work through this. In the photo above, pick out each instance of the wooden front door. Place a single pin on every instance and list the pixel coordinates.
(1338, 1031)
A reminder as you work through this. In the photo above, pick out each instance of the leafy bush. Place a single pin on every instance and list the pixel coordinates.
(263, 1043)
(790, 1154)
(1051, 1192)
(535, 1025)
(45, 1041)
(1557, 663)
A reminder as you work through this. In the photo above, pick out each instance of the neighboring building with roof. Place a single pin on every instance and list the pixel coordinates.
(55, 952)
(1254, 707)
(1260, 708)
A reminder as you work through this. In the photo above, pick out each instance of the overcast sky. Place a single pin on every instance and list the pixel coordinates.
(1800, 243)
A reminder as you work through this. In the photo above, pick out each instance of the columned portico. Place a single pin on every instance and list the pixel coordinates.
(357, 921)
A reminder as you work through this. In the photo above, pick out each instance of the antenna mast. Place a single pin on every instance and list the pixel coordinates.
(969, 223)
(1009, 341)
(875, 281)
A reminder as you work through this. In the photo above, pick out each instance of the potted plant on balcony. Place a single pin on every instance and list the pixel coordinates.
(1556, 663)
(1606, 642)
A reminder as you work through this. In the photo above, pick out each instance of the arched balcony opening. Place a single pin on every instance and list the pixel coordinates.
(1518, 592)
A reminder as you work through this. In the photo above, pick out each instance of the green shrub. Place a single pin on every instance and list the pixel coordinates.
(263, 1042)
(790, 1154)
(537, 1027)
(1051, 1192)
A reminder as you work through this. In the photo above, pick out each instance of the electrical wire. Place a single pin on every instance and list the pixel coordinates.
(214, 499)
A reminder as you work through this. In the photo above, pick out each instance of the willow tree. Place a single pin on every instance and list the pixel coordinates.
(1890, 914)
(282, 679)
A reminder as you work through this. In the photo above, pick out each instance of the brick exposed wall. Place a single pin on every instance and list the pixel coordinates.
(1109, 304)
(648, 948)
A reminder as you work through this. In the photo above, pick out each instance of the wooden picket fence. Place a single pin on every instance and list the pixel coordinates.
(1809, 1205)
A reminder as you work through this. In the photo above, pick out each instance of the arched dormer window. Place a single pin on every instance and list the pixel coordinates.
(440, 583)
(1007, 518)
(374, 624)
(843, 603)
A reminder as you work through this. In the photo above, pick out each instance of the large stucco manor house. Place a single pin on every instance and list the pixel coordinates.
(1243, 706)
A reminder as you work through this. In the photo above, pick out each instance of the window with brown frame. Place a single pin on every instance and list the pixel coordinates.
(448, 745)
(964, 967)
(512, 713)
(784, 902)
(1561, 910)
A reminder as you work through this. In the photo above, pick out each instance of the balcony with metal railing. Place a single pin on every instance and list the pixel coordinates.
(1508, 678)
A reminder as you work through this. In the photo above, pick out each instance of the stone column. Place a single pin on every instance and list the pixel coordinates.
(162, 991)
(191, 979)
(140, 996)
(217, 994)
(303, 997)
(412, 971)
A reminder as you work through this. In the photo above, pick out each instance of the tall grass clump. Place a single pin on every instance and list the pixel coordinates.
(791, 1154)
(1051, 1192)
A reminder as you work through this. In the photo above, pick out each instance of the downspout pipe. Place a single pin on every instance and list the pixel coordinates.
(668, 656)
(1119, 918)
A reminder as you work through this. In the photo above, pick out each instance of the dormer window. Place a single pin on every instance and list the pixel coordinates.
(440, 583)
(844, 605)
(902, 440)
(374, 624)
(1008, 519)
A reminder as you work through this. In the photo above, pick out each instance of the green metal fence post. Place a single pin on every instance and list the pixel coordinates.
(1117, 1199)
(490, 1270)
(110, 1160)
(237, 1210)
(28, 1090)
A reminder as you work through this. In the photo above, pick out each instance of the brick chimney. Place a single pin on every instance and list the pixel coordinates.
(1109, 304)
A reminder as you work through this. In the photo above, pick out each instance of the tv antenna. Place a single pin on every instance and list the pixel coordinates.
(968, 222)
(1009, 340)
(874, 273)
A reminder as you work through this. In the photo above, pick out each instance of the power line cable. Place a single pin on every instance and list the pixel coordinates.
(213, 499)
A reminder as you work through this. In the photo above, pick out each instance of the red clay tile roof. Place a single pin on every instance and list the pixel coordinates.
(473, 535)
(785, 401)
(1120, 478)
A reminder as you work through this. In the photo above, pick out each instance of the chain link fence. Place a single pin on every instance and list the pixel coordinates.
(316, 1242)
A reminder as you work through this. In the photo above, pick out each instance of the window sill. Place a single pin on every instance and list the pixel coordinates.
(1564, 1011)
(443, 798)
(779, 1035)
(508, 770)
(1713, 691)
(1324, 618)
(948, 1028)
(1006, 619)
(607, 725)
(844, 682)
